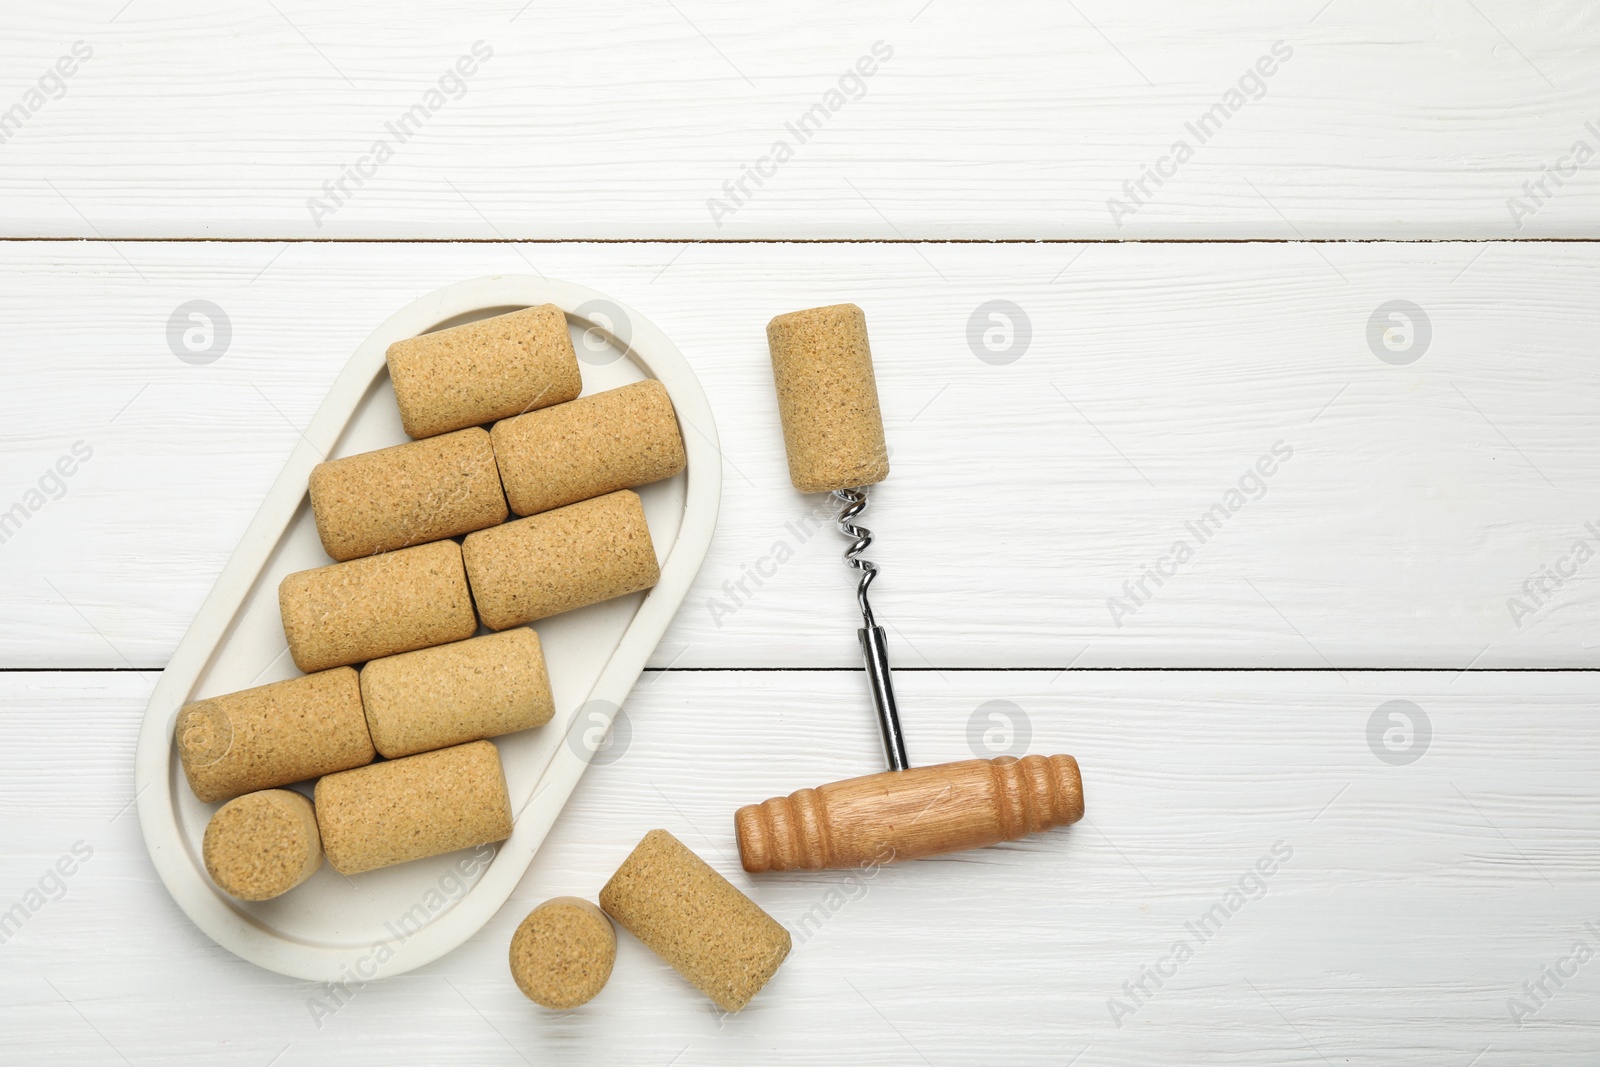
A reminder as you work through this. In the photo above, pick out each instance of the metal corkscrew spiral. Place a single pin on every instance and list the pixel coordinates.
(855, 502)
(874, 642)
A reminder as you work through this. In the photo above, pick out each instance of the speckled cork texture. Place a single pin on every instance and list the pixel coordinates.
(562, 954)
(262, 845)
(438, 697)
(695, 919)
(563, 559)
(483, 371)
(407, 495)
(379, 606)
(828, 399)
(618, 439)
(273, 735)
(412, 808)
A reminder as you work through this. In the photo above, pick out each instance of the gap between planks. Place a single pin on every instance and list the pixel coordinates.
(806, 240)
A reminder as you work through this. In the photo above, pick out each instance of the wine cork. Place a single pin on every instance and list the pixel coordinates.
(483, 371)
(828, 399)
(443, 696)
(379, 606)
(262, 845)
(563, 559)
(562, 954)
(407, 495)
(273, 735)
(695, 919)
(412, 808)
(619, 439)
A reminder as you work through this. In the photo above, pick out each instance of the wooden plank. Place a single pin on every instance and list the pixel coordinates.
(1420, 520)
(607, 121)
(1407, 903)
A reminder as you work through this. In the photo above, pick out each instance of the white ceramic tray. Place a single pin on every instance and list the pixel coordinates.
(389, 921)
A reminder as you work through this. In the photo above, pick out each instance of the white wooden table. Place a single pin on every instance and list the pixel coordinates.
(1200, 219)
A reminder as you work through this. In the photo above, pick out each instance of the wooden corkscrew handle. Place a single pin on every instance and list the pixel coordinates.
(903, 815)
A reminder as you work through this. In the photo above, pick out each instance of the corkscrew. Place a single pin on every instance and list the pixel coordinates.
(833, 432)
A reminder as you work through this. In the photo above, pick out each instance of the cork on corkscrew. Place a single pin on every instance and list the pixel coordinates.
(833, 431)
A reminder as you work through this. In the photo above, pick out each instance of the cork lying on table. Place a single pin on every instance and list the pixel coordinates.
(563, 952)
(618, 439)
(407, 495)
(438, 697)
(379, 606)
(563, 559)
(262, 845)
(412, 808)
(273, 735)
(695, 919)
(483, 371)
(828, 399)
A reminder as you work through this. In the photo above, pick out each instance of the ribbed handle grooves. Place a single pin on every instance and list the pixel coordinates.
(1035, 793)
(784, 833)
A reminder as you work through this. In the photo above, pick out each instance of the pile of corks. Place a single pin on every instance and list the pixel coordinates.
(403, 603)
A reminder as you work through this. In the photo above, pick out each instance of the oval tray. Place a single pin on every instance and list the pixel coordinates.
(386, 922)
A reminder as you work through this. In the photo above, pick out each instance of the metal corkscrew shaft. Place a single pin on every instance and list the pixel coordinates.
(874, 642)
